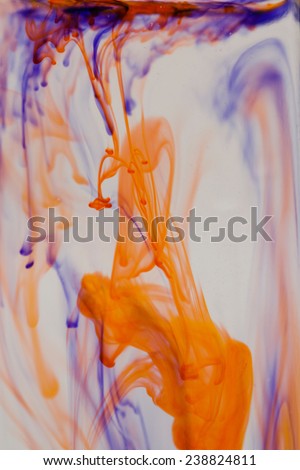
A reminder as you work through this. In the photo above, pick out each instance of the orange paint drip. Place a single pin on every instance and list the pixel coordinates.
(193, 370)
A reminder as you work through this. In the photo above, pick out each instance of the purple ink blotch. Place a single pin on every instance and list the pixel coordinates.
(26, 249)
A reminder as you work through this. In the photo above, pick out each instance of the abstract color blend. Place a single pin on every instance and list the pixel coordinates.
(153, 108)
